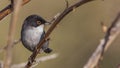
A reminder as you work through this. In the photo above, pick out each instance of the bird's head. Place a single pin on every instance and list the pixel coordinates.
(35, 21)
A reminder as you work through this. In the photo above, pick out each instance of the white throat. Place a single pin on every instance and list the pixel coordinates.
(39, 28)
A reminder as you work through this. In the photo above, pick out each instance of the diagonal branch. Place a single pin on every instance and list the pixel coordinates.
(57, 21)
(7, 10)
(111, 35)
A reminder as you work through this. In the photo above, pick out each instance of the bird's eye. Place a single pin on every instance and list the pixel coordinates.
(38, 23)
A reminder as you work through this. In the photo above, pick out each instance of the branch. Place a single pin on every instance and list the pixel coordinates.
(11, 33)
(67, 4)
(60, 17)
(1, 64)
(111, 34)
(104, 27)
(38, 60)
(7, 10)
(14, 43)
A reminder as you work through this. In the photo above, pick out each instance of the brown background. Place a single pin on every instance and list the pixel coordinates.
(76, 37)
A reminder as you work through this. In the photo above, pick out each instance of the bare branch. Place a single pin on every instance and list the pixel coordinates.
(7, 10)
(61, 16)
(67, 4)
(14, 43)
(111, 34)
(1, 64)
(118, 66)
(38, 60)
(54, 18)
(12, 2)
(11, 33)
(104, 27)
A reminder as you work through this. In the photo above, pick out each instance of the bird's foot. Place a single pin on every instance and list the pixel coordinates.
(48, 50)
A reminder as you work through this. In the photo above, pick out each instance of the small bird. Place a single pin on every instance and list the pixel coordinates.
(32, 33)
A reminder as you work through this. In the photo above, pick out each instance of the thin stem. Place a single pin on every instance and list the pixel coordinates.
(11, 33)
(111, 34)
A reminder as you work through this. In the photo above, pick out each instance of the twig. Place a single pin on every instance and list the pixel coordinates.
(7, 10)
(54, 18)
(1, 64)
(11, 33)
(118, 66)
(38, 60)
(67, 4)
(111, 34)
(14, 43)
(104, 27)
(60, 17)
(12, 3)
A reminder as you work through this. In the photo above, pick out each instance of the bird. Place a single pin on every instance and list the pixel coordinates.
(33, 31)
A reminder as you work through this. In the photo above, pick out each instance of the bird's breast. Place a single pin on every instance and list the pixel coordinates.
(32, 36)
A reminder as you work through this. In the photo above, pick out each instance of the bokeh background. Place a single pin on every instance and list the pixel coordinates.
(75, 38)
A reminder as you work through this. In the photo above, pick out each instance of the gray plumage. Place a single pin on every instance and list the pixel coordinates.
(32, 33)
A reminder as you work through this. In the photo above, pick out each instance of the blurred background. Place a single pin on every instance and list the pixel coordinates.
(74, 39)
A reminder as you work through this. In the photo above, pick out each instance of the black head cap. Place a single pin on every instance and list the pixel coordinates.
(34, 20)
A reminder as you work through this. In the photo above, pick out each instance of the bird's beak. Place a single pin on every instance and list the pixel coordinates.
(47, 23)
